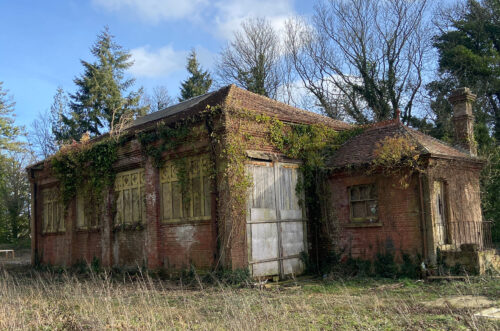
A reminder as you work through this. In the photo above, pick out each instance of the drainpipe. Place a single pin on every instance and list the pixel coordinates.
(422, 217)
(33, 220)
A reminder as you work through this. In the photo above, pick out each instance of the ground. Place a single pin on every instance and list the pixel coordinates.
(57, 300)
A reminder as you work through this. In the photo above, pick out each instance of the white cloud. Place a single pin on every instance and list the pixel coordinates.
(155, 10)
(230, 14)
(222, 16)
(157, 63)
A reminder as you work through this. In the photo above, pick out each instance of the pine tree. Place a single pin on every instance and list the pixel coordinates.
(469, 55)
(102, 97)
(8, 130)
(58, 111)
(198, 83)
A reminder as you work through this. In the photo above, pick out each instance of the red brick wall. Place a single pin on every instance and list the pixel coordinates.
(398, 212)
(160, 244)
(462, 198)
(128, 248)
(54, 249)
(183, 245)
(176, 246)
(86, 246)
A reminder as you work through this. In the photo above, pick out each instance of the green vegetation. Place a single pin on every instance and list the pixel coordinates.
(61, 301)
(8, 130)
(86, 168)
(469, 51)
(162, 139)
(199, 81)
(14, 186)
(99, 102)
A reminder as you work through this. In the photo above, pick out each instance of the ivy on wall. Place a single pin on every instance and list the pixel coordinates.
(313, 144)
(86, 167)
(89, 167)
(397, 156)
(162, 139)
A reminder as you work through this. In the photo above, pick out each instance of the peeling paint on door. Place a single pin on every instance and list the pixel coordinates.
(275, 222)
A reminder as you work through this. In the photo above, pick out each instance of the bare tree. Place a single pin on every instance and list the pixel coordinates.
(41, 138)
(253, 60)
(362, 59)
(42, 134)
(158, 100)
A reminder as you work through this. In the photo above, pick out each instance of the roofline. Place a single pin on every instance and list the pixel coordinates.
(185, 113)
(468, 159)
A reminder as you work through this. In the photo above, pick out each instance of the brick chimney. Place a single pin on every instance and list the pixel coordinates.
(463, 120)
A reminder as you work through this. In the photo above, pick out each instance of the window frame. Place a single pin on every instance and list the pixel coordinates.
(121, 186)
(51, 202)
(168, 176)
(365, 219)
(97, 213)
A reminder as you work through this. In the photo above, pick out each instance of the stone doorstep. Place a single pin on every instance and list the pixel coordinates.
(490, 313)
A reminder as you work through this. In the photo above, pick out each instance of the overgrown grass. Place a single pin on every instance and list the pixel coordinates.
(56, 301)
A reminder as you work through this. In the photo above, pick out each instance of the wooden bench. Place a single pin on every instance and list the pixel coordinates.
(7, 252)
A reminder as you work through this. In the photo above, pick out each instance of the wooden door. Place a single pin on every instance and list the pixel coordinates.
(275, 221)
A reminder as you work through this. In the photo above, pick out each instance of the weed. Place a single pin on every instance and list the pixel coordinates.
(45, 300)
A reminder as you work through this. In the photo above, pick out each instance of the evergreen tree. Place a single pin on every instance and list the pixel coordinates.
(102, 97)
(8, 130)
(14, 199)
(469, 55)
(255, 79)
(58, 111)
(14, 187)
(198, 83)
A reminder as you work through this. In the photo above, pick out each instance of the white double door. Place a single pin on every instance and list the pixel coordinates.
(276, 225)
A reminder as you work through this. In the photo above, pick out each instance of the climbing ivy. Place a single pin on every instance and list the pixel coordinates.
(167, 137)
(85, 166)
(397, 156)
(163, 138)
(312, 144)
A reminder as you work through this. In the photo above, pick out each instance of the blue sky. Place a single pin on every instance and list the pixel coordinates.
(42, 42)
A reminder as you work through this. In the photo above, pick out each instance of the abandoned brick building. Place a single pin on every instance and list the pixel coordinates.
(147, 218)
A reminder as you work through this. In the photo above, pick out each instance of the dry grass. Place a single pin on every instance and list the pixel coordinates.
(50, 301)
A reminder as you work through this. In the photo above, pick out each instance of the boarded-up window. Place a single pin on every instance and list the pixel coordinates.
(363, 203)
(130, 197)
(185, 203)
(52, 211)
(88, 213)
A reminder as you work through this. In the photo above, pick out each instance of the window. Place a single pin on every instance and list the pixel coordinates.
(192, 203)
(88, 214)
(363, 203)
(130, 198)
(53, 211)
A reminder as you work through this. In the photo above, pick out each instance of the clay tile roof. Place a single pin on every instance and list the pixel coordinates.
(237, 98)
(229, 97)
(243, 99)
(360, 149)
